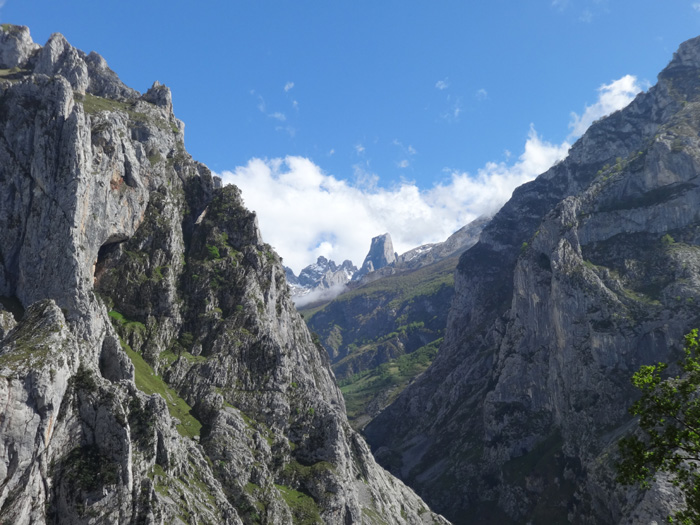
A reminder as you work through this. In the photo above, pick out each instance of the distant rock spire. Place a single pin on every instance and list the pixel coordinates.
(381, 254)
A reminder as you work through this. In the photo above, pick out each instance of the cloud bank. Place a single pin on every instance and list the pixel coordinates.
(305, 212)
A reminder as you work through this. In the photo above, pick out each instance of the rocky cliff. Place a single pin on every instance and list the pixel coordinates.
(588, 272)
(152, 366)
(320, 281)
(381, 254)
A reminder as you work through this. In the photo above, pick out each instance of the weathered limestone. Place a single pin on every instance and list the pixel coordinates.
(588, 272)
(101, 246)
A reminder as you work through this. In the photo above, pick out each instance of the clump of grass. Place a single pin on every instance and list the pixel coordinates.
(150, 383)
(303, 507)
(360, 389)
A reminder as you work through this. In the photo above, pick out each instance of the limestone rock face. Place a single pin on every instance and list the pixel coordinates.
(381, 254)
(16, 47)
(588, 272)
(152, 366)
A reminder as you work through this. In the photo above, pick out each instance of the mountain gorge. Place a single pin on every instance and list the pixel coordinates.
(384, 329)
(587, 273)
(153, 368)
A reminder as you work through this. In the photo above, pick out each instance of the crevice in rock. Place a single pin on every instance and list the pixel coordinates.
(114, 364)
(107, 251)
(13, 305)
(129, 178)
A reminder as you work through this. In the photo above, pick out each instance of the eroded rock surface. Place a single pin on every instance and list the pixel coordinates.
(152, 366)
(588, 272)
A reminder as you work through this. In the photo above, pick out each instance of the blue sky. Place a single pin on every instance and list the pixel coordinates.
(370, 116)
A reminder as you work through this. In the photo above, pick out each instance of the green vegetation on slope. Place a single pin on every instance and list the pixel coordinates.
(401, 288)
(303, 507)
(371, 333)
(387, 379)
(150, 383)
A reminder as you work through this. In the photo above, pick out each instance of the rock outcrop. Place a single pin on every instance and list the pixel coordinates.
(322, 280)
(588, 272)
(381, 253)
(153, 368)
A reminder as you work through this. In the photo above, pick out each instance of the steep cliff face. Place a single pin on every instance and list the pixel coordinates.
(381, 254)
(152, 366)
(587, 273)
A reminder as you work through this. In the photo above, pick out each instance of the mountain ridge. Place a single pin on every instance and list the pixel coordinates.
(572, 286)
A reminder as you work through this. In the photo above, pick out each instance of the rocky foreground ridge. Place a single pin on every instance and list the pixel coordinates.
(588, 272)
(152, 366)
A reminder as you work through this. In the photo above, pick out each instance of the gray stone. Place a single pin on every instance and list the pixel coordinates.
(127, 254)
(587, 273)
(16, 46)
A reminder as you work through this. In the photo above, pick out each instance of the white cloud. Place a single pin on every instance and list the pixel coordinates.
(304, 212)
(406, 150)
(695, 5)
(403, 164)
(289, 130)
(288, 86)
(261, 103)
(262, 108)
(278, 116)
(359, 149)
(611, 97)
(319, 295)
(442, 84)
(482, 94)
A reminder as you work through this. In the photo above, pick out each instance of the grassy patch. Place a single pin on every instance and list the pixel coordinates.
(13, 74)
(361, 389)
(155, 158)
(93, 104)
(150, 383)
(303, 507)
(127, 324)
(403, 287)
(295, 473)
(374, 516)
(213, 252)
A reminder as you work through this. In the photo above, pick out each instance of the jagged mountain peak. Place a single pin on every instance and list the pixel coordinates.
(381, 254)
(16, 46)
(687, 56)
